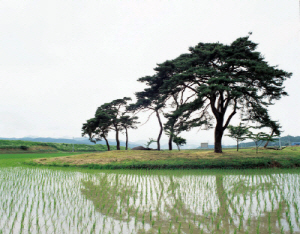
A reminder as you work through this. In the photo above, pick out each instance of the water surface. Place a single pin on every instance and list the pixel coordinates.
(35, 200)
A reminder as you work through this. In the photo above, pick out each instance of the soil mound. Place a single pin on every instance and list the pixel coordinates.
(141, 148)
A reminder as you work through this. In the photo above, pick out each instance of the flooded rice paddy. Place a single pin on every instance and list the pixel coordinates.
(67, 201)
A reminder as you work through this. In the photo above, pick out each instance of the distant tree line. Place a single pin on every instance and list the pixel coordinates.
(203, 88)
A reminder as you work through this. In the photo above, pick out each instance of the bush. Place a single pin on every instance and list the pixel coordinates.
(23, 147)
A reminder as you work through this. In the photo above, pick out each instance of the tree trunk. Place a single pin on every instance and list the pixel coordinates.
(171, 138)
(107, 144)
(237, 145)
(256, 146)
(117, 138)
(178, 147)
(170, 142)
(126, 138)
(265, 146)
(160, 132)
(218, 135)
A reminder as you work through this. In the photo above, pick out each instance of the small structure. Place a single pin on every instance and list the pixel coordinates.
(295, 144)
(204, 145)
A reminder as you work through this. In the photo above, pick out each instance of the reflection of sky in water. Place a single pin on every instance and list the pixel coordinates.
(47, 201)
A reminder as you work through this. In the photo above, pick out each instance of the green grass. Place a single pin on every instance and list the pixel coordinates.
(11, 146)
(14, 160)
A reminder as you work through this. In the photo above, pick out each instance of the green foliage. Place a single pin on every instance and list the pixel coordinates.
(24, 147)
(179, 141)
(151, 140)
(259, 138)
(238, 133)
(97, 128)
(112, 115)
(217, 77)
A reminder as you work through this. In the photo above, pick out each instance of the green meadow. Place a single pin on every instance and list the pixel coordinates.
(17, 160)
(18, 146)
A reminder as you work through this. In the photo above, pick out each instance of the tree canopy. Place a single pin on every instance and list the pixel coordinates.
(110, 116)
(97, 128)
(225, 78)
(179, 141)
(238, 133)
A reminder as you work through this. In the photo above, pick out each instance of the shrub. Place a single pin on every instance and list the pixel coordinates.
(23, 147)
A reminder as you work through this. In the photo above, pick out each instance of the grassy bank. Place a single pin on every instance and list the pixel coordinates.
(16, 160)
(192, 159)
(15, 147)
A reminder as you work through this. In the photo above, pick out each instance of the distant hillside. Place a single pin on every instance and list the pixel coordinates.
(19, 146)
(285, 141)
(81, 140)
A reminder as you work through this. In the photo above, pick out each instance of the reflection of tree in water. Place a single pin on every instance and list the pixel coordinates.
(236, 213)
(195, 204)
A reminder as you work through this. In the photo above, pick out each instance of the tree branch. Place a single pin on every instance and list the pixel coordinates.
(231, 115)
(190, 88)
(212, 105)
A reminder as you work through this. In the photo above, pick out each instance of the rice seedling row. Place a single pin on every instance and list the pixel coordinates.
(144, 201)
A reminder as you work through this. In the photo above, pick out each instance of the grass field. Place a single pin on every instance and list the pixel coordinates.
(17, 160)
(230, 158)
(10, 146)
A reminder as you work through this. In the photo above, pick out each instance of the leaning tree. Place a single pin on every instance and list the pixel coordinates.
(275, 129)
(226, 79)
(97, 128)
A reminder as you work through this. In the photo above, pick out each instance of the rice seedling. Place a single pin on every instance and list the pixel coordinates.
(138, 201)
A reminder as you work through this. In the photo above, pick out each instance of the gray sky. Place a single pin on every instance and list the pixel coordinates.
(60, 60)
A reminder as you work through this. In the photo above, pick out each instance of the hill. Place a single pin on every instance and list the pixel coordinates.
(20, 146)
(80, 140)
(83, 140)
(285, 141)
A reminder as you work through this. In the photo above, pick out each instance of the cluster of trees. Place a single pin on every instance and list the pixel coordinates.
(110, 116)
(203, 88)
(243, 132)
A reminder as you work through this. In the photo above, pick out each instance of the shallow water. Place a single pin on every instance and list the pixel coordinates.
(67, 201)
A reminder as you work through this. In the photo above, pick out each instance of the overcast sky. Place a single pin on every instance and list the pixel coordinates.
(60, 60)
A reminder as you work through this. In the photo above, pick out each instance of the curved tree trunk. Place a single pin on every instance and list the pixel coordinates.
(272, 133)
(107, 144)
(160, 131)
(117, 138)
(219, 113)
(126, 132)
(170, 141)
